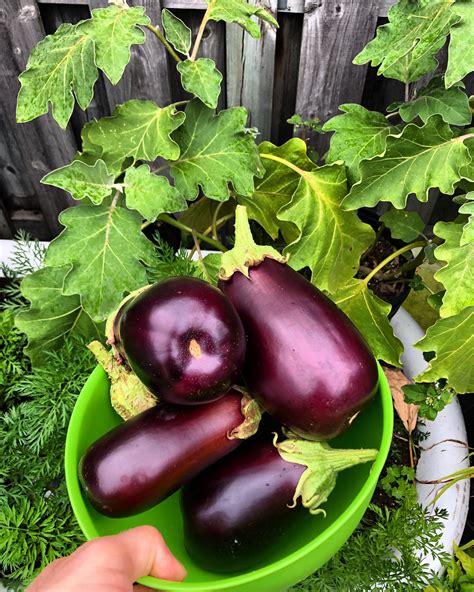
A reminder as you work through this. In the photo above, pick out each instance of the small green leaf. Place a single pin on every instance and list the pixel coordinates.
(61, 67)
(202, 79)
(369, 314)
(416, 160)
(215, 150)
(467, 208)
(105, 248)
(210, 266)
(137, 129)
(457, 276)
(151, 195)
(277, 186)
(331, 240)
(460, 54)
(360, 134)
(436, 300)
(114, 30)
(240, 12)
(176, 32)
(52, 315)
(404, 225)
(452, 104)
(82, 180)
(405, 46)
(452, 340)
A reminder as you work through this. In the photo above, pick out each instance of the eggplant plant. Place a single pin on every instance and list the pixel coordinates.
(148, 165)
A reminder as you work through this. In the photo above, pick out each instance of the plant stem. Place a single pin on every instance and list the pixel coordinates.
(156, 31)
(393, 114)
(408, 266)
(177, 224)
(214, 220)
(200, 32)
(287, 163)
(391, 257)
(219, 223)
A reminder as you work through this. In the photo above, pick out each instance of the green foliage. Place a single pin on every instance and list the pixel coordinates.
(202, 79)
(12, 364)
(240, 12)
(459, 574)
(166, 263)
(314, 125)
(404, 225)
(467, 208)
(460, 55)
(431, 398)
(177, 33)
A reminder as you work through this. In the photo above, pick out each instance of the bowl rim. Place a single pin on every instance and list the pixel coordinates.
(76, 497)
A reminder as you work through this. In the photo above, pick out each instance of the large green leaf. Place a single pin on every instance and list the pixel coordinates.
(105, 247)
(61, 67)
(150, 194)
(360, 134)
(114, 30)
(404, 225)
(370, 315)
(457, 276)
(91, 153)
(215, 150)
(331, 240)
(177, 33)
(240, 12)
(452, 104)
(82, 180)
(452, 340)
(52, 315)
(404, 48)
(137, 129)
(467, 208)
(202, 79)
(416, 160)
(460, 53)
(277, 186)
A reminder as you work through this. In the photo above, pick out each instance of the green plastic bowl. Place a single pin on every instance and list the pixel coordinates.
(297, 557)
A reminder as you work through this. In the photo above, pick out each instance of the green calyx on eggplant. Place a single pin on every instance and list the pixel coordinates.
(147, 458)
(257, 494)
(183, 339)
(305, 363)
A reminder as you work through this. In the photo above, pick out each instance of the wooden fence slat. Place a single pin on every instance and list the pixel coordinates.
(333, 33)
(250, 71)
(42, 143)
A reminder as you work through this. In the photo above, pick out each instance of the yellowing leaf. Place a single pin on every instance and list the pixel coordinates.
(240, 12)
(408, 412)
(452, 341)
(457, 276)
(369, 314)
(202, 79)
(331, 240)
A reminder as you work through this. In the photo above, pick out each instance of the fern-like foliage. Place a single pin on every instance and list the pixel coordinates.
(168, 263)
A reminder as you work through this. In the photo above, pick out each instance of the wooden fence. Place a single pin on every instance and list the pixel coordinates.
(304, 67)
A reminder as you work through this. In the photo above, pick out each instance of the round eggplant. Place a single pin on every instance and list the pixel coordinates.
(306, 362)
(238, 510)
(182, 338)
(147, 458)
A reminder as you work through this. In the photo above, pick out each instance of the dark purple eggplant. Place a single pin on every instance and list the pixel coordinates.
(237, 511)
(183, 338)
(306, 362)
(144, 460)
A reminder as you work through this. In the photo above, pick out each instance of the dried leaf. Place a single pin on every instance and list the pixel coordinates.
(407, 412)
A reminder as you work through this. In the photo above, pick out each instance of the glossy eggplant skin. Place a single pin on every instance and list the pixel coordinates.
(237, 510)
(306, 362)
(144, 460)
(183, 338)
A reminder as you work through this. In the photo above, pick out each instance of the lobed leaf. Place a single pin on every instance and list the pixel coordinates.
(202, 79)
(240, 12)
(151, 195)
(330, 240)
(460, 54)
(416, 160)
(404, 225)
(105, 249)
(457, 276)
(452, 341)
(176, 32)
(215, 150)
(360, 134)
(467, 208)
(370, 315)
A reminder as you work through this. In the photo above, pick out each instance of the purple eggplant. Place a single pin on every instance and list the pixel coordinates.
(306, 362)
(239, 509)
(144, 460)
(182, 338)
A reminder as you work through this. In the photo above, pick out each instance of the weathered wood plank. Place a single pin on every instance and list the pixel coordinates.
(250, 71)
(42, 144)
(385, 5)
(333, 33)
(7, 229)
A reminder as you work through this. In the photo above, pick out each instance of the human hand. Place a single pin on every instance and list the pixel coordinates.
(111, 564)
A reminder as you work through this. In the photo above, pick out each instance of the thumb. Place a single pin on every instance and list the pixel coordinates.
(142, 551)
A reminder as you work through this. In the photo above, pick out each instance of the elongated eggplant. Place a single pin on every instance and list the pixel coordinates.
(183, 338)
(239, 509)
(144, 460)
(306, 362)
